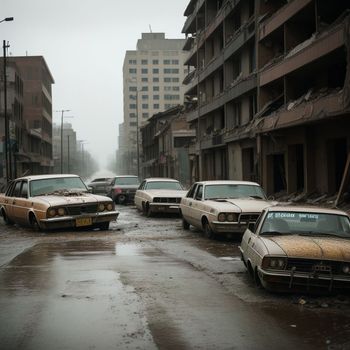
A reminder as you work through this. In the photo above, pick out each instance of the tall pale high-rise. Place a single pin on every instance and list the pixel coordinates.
(152, 78)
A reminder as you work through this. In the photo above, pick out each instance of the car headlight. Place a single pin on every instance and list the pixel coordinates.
(109, 206)
(51, 213)
(276, 263)
(231, 217)
(346, 269)
(61, 211)
(222, 217)
(101, 207)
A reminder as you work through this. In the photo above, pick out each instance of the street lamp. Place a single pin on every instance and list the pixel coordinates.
(7, 149)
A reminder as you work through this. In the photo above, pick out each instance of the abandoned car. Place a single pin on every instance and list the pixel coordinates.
(122, 188)
(299, 248)
(222, 207)
(159, 195)
(55, 201)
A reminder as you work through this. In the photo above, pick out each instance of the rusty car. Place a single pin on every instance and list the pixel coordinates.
(53, 202)
(294, 248)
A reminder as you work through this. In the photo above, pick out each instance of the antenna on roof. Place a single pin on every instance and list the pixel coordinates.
(150, 28)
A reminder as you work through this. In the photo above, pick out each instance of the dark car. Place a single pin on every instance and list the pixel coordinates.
(100, 185)
(123, 187)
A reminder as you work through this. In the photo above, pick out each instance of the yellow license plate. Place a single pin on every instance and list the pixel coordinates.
(83, 222)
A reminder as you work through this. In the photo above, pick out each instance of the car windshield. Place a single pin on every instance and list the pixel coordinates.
(52, 185)
(233, 191)
(306, 223)
(126, 181)
(163, 185)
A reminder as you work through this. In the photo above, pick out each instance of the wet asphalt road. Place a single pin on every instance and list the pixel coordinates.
(148, 284)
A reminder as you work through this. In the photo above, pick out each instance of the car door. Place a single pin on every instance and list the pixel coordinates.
(186, 204)
(21, 203)
(138, 195)
(249, 241)
(196, 211)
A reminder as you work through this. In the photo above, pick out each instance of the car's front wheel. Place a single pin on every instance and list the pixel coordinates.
(185, 224)
(208, 232)
(34, 222)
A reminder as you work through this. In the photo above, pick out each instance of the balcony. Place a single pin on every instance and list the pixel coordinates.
(318, 108)
(281, 16)
(305, 53)
(212, 140)
(241, 87)
(190, 21)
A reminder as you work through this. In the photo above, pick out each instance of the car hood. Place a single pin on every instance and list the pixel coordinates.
(85, 198)
(166, 193)
(248, 205)
(294, 246)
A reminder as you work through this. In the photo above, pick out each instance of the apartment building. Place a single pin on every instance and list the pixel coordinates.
(221, 93)
(269, 96)
(17, 132)
(152, 81)
(165, 140)
(303, 126)
(29, 113)
(37, 112)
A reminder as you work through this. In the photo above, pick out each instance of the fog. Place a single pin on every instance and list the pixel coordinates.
(84, 43)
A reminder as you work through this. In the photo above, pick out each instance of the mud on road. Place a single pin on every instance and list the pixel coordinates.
(148, 284)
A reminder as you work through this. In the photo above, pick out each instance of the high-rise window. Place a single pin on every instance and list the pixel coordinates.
(156, 106)
(132, 105)
(155, 61)
(155, 88)
(155, 71)
(144, 71)
(132, 70)
(144, 88)
(155, 79)
(144, 61)
(145, 105)
(132, 88)
(155, 97)
(145, 97)
(144, 80)
(166, 62)
(132, 62)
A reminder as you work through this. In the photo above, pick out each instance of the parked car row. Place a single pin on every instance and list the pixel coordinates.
(284, 247)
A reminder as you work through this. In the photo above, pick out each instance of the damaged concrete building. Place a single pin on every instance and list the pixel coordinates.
(269, 98)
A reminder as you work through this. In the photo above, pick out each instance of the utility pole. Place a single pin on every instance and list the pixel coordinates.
(7, 146)
(68, 155)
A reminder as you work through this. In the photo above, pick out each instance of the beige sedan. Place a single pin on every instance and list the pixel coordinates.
(55, 201)
(222, 207)
(299, 249)
(159, 195)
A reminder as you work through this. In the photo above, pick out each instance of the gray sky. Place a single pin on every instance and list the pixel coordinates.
(84, 43)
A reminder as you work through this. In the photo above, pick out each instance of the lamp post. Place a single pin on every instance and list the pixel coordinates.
(7, 147)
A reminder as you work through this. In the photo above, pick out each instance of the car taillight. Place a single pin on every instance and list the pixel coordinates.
(117, 190)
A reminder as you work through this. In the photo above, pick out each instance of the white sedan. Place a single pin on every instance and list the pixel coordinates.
(159, 195)
(222, 207)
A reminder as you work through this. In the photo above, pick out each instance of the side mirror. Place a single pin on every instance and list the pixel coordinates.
(271, 198)
(89, 189)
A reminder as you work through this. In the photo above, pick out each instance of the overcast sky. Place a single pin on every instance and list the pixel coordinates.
(84, 43)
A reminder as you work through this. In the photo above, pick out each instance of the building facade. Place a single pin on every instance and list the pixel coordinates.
(269, 96)
(152, 80)
(29, 112)
(165, 141)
